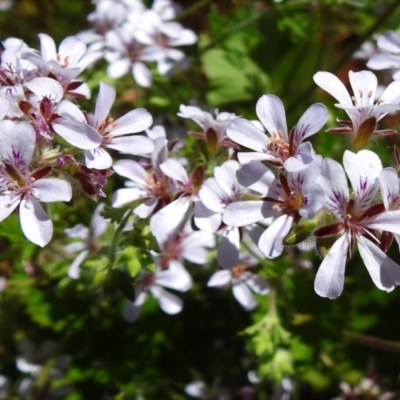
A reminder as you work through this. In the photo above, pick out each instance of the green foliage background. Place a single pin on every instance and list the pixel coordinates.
(245, 49)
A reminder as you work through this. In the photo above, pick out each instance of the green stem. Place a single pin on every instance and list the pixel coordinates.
(192, 9)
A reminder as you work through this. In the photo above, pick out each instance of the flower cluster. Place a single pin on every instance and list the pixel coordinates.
(132, 35)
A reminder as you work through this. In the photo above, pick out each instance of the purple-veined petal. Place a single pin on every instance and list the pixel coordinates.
(310, 123)
(136, 145)
(364, 84)
(225, 176)
(228, 248)
(51, 189)
(304, 156)
(79, 134)
(105, 100)
(134, 121)
(334, 86)
(220, 278)
(271, 112)
(329, 280)
(241, 213)
(333, 181)
(363, 170)
(46, 87)
(17, 142)
(164, 222)
(383, 270)
(168, 302)
(35, 222)
(313, 200)
(270, 242)
(247, 134)
(213, 197)
(389, 184)
(244, 296)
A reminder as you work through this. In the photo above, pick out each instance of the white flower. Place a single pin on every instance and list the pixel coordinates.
(175, 277)
(88, 238)
(19, 187)
(364, 114)
(358, 222)
(278, 148)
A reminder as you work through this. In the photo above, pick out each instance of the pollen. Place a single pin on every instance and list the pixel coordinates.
(238, 270)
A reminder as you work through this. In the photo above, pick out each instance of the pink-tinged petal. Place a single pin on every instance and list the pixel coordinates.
(35, 222)
(132, 170)
(270, 242)
(206, 219)
(141, 74)
(242, 213)
(164, 222)
(145, 209)
(246, 158)
(134, 121)
(334, 182)
(175, 277)
(135, 145)
(329, 280)
(131, 311)
(8, 203)
(333, 85)
(79, 134)
(256, 176)
(272, 114)
(46, 87)
(257, 284)
(174, 169)
(310, 123)
(304, 156)
(244, 296)
(228, 248)
(220, 278)
(389, 184)
(126, 196)
(363, 170)
(364, 84)
(98, 159)
(118, 68)
(50, 190)
(17, 143)
(247, 134)
(168, 302)
(47, 47)
(105, 100)
(74, 271)
(384, 271)
(389, 41)
(386, 221)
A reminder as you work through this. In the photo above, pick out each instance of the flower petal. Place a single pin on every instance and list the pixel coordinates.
(333, 85)
(272, 114)
(244, 296)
